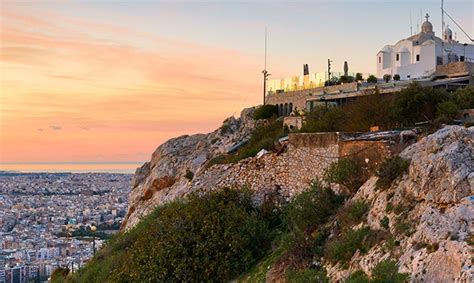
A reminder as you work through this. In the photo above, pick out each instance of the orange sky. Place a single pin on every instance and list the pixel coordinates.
(70, 95)
(92, 81)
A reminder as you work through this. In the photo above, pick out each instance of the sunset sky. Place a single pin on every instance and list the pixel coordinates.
(111, 80)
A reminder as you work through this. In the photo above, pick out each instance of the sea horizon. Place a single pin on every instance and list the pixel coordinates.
(127, 167)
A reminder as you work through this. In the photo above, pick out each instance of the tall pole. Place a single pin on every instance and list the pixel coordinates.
(442, 20)
(265, 72)
(265, 69)
(443, 38)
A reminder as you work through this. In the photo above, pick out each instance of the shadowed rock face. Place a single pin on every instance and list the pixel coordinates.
(435, 195)
(163, 177)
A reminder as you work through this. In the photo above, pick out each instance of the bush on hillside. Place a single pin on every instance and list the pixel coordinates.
(263, 137)
(384, 272)
(212, 237)
(304, 217)
(367, 111)
(353, 213)
(447, 110)
(348, 172)
(465, 97)
(266, 111)
(387, 271)
(396, 77)
(308, 275)
(358, 77)
(417, 104)
(310, 208)
(389, 170)
(324, 119)
(342, 248)
(358, 277)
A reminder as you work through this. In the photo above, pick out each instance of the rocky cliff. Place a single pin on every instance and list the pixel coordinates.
(429, 211)
(167, 175)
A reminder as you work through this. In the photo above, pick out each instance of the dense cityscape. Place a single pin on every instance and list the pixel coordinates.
(50, 220)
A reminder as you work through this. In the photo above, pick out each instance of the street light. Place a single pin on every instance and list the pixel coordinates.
(93, 229)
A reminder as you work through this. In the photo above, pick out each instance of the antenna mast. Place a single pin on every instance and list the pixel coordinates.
(411, 26)
(265, 72)
(442, 20)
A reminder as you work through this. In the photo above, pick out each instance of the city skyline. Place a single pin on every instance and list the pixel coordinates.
(109, 82)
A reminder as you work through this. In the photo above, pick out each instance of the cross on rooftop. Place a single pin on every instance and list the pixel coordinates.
(427, 16)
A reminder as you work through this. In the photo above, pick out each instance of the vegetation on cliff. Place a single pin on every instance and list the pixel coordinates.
(262, 137)
(211, 237)
(411, 105)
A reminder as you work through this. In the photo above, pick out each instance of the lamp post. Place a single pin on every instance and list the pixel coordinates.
(265, 78)
(93, 229)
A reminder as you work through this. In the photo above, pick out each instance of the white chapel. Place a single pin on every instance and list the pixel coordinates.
(417, 56)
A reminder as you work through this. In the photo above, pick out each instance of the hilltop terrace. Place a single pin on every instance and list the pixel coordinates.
(449, 76)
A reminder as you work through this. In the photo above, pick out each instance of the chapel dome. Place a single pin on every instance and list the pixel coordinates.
(427, 27)
(448, 34)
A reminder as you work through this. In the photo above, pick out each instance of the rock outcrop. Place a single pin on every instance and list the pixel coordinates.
(166, 176)
(429, 211)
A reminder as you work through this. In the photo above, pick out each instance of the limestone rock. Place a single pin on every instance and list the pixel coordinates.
(163, 177)
(436, 202)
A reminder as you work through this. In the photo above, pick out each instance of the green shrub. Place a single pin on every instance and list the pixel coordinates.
(384, 222)
(353, 213)
(465, 97)
(416, 104)
(307, 276)
(447, 110)
(396, 77)
(263, 137)
(358, 77)
(387, 272)
(342, 248)
(389, 207)
(367, 111)
(372, 79)
(212, 237)
(310, 208)
(389, 170)
(346, 79)
(347, 172)
(387, 78)
(265, 112)
(358, 277)
(402, 226)
(324, 119)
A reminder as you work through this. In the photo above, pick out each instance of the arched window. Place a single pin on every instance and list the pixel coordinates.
(285, 110)
(290, 109)
(280, 110)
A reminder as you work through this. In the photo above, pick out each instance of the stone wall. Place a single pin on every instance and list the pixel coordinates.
(372, 152)
(298, 98)
(307, 157)
(454, 69)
